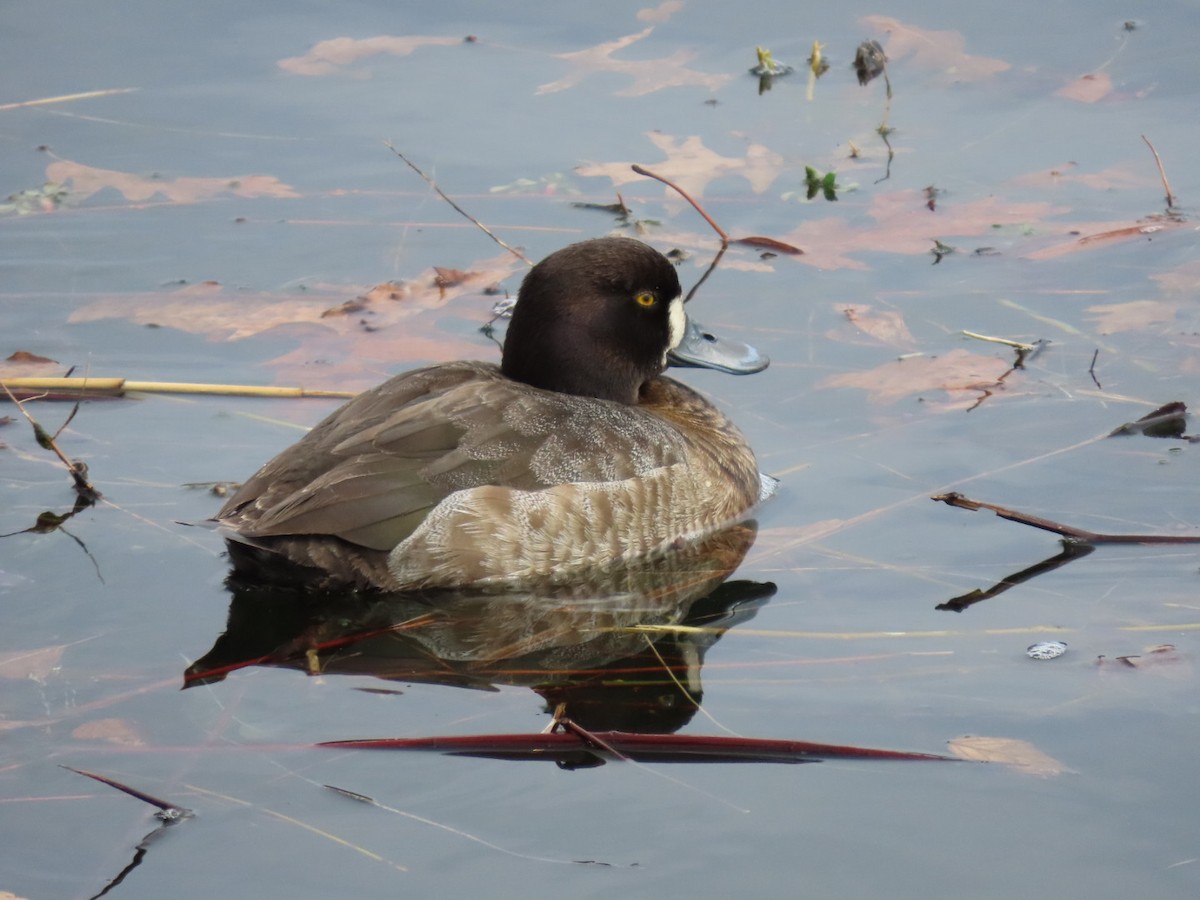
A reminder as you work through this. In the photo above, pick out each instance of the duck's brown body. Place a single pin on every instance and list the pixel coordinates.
(455, 475)
(574, 453)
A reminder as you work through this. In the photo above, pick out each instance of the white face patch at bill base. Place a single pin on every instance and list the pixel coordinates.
(677, 320)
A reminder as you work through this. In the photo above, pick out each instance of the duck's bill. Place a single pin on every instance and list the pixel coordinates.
(702, 349)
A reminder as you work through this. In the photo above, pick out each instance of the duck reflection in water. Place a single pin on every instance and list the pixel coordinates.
(607, 644)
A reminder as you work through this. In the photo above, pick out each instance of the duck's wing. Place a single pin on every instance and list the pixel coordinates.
(372, 471)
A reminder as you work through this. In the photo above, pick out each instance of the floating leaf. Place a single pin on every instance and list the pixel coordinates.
(767, 243)
(86, 180)
(661, 13)
(693, 166)
(1021, 755)
(1136, 315)
(885, 327)
(24, 356)
(956, 373)
(648, 75)
(816, 183)
(112, 731)
(941, 50)
(1160, 659)
(208, 308)
(32, 664)
(328, 57)
(1090, 88)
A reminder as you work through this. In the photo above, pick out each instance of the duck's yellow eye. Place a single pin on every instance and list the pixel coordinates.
(645, 298)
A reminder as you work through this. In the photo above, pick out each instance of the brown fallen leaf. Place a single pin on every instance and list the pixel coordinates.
(1158, 659)
(25, 364)
(1100, 235)
(445, 278)
(959, 373)
(1136, 315)
(112, 731)
(648, 75)
(210, 309)
(941, 50)
(902, 224)
(1114, 178)
(349, 308)
(693, 166)
(35, 664)
(327, 57)
(84, 181)
(1021, 755)
(661, 13)
(767, 243)
(1183, 279)
(1090, 88)
(24, 356)
(885, 326)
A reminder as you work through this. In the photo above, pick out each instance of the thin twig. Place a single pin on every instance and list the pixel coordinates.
(78, 470)
(1071, 550)
(1161, 173)
(462, 212)
(65, 98)
(1067, 531)
(1092, 369)
(167, 809)
(703, 278)
(997, 340)
(684, 194)
(590, 737)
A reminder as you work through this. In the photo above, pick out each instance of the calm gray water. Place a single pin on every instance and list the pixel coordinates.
(249, 156)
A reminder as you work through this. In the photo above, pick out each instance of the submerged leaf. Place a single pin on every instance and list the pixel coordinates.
(957, 373)
(31, 664)
(693, 166)
(941, 50)
(87, 180)
(1090, 88)
(1021, 755)
(1136, 315)
(328, 57)
(112, 731)
(648, 75)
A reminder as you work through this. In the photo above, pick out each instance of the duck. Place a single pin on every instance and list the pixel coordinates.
(576, 452)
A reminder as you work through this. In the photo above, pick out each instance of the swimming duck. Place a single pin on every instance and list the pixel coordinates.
(574, 452)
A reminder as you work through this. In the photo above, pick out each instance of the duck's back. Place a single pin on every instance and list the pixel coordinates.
(455, 475)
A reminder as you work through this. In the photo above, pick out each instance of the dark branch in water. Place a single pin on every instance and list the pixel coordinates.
(1071, 550)
(77, 469)
(1067, 531)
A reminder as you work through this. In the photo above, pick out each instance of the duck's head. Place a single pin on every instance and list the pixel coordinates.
(602, 317)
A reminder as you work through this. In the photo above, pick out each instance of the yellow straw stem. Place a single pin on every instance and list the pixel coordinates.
(118, 386)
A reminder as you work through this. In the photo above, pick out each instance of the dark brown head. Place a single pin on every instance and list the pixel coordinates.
(596, 319)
